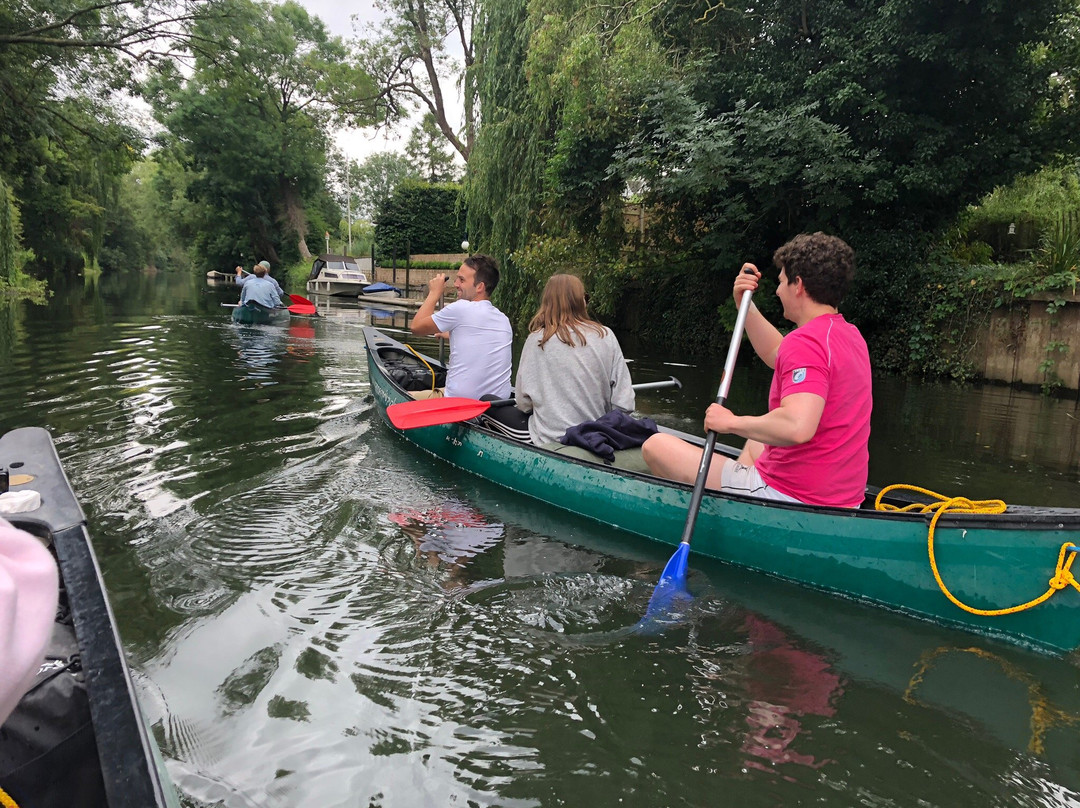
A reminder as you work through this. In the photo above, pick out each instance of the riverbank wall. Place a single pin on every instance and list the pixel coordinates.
(1033, 342)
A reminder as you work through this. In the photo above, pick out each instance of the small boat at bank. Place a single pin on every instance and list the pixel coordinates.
(380, 291)
(78, 737)
(254, 314)
(987, 561)
(217, 278)
(337, 275)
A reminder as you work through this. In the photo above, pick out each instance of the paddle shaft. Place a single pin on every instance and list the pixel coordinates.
(710, 437)
(672, 382)
(669, 382)
(637, 388)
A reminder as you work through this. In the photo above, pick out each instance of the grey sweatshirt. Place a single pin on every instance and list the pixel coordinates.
(567, 385)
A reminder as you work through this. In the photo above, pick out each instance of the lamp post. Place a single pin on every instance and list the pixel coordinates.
(465, 246)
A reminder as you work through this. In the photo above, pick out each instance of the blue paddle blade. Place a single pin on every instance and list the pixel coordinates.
(669, 599)
(675, 570)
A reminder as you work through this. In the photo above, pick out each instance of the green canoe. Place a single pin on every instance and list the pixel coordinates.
(254, 314)
(78, 737)
(988, 561)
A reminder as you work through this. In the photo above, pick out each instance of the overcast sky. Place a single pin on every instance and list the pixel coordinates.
(347, 20)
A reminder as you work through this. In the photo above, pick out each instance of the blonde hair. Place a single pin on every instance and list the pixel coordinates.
(562, 310)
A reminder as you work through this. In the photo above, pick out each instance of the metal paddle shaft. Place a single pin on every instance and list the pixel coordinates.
(437, 411)
(710, 437)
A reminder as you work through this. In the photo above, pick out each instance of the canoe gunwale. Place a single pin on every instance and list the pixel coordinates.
(875, 557)
(1016, 517)
(126, 752)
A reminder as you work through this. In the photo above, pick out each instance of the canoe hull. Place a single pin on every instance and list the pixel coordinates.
(987, 561)
(252, 315)
(87, 742)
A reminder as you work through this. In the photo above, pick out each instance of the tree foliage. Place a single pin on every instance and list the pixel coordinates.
(419, 217)
(411, 52)
(66, 138)
(743, 124)
(375, 179)
(250, 125)
(426, 152)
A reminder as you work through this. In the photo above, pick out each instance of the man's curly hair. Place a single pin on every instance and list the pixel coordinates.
(825, 263)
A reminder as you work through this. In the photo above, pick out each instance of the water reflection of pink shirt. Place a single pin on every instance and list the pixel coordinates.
(828, 357)
(28, 592)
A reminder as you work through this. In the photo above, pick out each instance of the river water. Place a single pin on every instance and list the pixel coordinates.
(319, 614)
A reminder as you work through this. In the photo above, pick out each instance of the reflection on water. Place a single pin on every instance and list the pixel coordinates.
(319, 614)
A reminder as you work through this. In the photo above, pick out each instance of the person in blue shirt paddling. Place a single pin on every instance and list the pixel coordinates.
(260, 290)
(241, 279)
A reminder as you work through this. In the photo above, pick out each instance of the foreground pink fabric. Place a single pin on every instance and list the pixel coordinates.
(29, 587)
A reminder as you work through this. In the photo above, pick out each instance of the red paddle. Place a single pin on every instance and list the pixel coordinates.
(302, 306)
(434, 411)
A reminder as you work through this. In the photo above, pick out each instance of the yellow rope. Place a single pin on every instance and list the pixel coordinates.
(1044, 715)
(6, 801)
(430, 369)
(1063, 576)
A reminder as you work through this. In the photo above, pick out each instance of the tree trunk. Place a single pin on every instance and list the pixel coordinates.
(294, 217)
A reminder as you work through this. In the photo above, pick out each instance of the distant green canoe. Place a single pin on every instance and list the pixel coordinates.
(987, 561)
(254, 314)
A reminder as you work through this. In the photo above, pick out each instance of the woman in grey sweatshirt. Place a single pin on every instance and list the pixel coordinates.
(572, 369)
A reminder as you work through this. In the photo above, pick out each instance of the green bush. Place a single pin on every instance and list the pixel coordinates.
(1013, 219)
(419, 217)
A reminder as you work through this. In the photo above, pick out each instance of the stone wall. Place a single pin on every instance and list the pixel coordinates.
(1032, 343)
(417, 279)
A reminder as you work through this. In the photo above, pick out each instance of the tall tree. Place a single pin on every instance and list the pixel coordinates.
(412, 54)
(425, 150)
(375, 179)
(252, 122)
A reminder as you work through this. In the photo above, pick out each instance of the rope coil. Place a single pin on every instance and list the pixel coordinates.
(1062, 578)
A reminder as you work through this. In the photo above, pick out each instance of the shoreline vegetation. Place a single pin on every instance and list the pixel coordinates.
(651, 160)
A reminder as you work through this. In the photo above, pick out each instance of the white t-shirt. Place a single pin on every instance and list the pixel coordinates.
(480, 348)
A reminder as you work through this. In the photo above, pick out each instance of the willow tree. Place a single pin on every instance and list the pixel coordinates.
(743, 123)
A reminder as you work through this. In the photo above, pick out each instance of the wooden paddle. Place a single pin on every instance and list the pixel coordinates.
(672, 584)
(435, 411)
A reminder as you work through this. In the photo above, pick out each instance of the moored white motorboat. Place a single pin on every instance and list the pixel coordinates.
(338, 275)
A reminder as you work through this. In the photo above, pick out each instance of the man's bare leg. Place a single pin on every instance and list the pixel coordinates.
(675, 459)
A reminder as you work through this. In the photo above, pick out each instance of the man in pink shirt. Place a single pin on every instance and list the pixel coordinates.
(811, 446)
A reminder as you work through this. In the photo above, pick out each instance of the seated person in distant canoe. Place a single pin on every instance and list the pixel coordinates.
(241, 279)
(811, 446)
(480, 334)
(260, 291)
(572, 369)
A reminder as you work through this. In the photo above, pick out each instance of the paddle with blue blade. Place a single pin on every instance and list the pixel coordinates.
(672, 587)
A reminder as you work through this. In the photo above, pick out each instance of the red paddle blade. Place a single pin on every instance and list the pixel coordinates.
(434, 411)
(301, 301)
(304, 309)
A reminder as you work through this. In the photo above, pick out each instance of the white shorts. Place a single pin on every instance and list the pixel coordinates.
(739, 479)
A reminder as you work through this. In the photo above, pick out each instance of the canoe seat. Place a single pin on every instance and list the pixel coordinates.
(627, 459)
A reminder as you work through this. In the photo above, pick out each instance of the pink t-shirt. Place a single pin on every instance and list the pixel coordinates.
(29, 586)
(827, 356)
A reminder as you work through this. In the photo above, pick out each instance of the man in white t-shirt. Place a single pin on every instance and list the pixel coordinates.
(480, 334)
